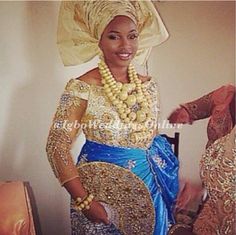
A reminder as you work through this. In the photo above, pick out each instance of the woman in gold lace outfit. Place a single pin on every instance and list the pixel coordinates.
(218, 169)
(116, 108)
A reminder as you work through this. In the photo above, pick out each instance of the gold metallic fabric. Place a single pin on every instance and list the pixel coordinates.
(60, 136)
(218, 173)
(100, 123)
(129, 198)
(81, 24)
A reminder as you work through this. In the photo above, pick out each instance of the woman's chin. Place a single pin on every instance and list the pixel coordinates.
(122, 62)
(118, 62)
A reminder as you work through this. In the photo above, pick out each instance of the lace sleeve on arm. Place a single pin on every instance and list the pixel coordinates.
(64, 129)
(200, 108)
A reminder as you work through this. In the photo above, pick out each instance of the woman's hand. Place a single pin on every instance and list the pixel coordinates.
(180, 115)
(96, 213)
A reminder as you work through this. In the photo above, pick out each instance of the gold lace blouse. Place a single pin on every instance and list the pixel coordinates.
(85, 107)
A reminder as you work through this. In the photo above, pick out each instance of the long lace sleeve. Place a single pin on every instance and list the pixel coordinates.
(64, 129)
(200, 108)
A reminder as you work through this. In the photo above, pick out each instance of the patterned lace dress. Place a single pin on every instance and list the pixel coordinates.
(146, 154)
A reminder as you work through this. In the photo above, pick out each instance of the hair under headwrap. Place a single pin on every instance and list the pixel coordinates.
(81, 24)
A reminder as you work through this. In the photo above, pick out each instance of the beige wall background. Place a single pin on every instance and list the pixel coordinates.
(197, 58)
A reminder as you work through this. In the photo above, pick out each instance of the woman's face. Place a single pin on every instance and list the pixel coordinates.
(119, 41)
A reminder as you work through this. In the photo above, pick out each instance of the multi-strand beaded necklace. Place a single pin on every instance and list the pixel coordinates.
(131, 100)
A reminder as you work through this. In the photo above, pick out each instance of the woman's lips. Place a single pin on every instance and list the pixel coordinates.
(124, 56)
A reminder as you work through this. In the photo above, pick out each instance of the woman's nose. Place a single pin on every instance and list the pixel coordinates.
(125, 43)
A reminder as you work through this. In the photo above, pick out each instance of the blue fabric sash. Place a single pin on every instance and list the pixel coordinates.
(157, 167)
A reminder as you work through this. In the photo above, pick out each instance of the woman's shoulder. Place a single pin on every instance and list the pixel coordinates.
(145, 78)
(92, 77)
(81, 84)
(149, 81)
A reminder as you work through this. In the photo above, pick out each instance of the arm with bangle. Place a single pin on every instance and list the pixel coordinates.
(71, 109)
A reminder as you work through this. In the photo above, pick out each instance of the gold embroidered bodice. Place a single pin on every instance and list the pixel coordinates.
(99, 121)
(107, 127)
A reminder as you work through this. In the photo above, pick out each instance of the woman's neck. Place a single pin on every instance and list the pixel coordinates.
(120, 73)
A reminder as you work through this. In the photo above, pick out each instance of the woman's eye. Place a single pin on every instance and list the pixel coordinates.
(113, 37)
(133, 36)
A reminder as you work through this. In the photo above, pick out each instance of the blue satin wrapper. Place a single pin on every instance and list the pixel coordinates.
(157, 167)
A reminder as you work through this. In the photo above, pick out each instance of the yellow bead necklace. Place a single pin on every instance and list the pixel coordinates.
(131, 100)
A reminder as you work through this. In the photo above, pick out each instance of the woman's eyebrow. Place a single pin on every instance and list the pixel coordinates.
(113, 31)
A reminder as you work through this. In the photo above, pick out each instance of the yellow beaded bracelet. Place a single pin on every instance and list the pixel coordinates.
(84, 204)
(78, 200)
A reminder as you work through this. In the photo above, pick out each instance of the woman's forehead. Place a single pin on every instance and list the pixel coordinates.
(120, 23)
